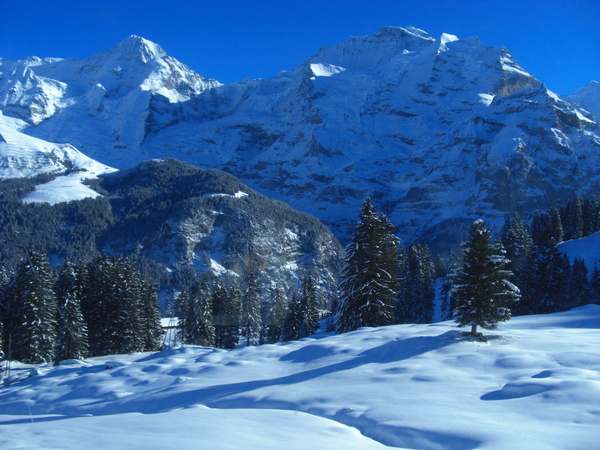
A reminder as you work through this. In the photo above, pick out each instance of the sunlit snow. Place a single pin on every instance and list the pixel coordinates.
(534, 384)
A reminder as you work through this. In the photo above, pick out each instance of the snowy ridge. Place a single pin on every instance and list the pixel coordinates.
(407, 386)
(25, 156)
(439, 131)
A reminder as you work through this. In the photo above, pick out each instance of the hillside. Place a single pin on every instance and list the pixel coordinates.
(534, 384)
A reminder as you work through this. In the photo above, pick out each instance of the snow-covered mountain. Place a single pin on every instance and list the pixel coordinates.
(436, 131)
(534, 385)
(588, 97)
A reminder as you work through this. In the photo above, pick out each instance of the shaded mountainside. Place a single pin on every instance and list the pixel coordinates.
(175, 217)
(437, 131)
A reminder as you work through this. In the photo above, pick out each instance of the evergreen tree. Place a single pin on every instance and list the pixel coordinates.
(150, 316)
(481, 285)
(417, 294)
(578, 284)
(595, 286)
(521, 254)
(309, 308)
(550, 282)
(71, 334)
(227, 310)
(98, 303)
(250, 316)
(293, 319)
(276, 316)
(183, 308)
(370, 277)
(195, 313)
(33, 311)
(125, 333)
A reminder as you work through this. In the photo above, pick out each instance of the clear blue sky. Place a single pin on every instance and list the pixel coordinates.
(558, 41)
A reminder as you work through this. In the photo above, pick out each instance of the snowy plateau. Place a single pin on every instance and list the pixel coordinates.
(437, 131)
(535, 384)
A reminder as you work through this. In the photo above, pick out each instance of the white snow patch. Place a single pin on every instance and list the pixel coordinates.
(486, 99)
(325, 70)
(587, 248)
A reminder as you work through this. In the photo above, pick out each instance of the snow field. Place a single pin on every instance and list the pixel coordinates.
(534, 384)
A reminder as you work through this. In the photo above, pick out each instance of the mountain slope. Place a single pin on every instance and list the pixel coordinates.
(177, 220)
(534, 384)
(437, 131)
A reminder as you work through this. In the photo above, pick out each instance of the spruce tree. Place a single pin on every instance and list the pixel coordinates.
(481, 286)
(293, 319)
(276, 316)
(595, 286)
(250, 314)
(71, 334)
(578, 284)
(370, 277)
(417, 293)
(33, 310)
(227, 310)
(309, 308)
(150, 317)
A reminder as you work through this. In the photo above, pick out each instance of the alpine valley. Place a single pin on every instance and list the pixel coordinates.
(438, 132)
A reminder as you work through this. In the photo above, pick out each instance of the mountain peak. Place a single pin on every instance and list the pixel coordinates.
(139, 48)
(395, 33)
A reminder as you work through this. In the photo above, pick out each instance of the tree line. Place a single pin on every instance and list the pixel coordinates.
(97, 308)
(104, 306)
(219, 313)
(523, 272)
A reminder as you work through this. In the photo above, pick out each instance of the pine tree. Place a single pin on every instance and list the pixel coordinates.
(579, 284)
(71, 334)
(227, 310)
(417, 293)
(150, 317)
(250, 315)
(521, 254)
(183, 308)
(33, 310)
(481, 286)
(276, 316)
(595, 286)
(293, 319)
(550, 282)
(370, 277)
(309, 308)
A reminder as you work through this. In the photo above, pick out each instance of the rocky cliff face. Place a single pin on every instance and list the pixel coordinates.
(437, 131)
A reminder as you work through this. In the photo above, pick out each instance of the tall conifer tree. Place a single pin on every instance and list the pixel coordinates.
(481, 286)
(370, 277)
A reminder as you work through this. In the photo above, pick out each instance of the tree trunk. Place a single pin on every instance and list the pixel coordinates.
(474, 330)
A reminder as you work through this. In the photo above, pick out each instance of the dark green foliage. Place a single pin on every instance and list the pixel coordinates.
(293, 319)
(71, 335)
(31, 312)
(227, 305)
(370, 277)
(595, 286)
(578, 285)
(275, 317)
(417, 292)
(309, 308)
(195, 312)
(481, 286)
(251, 320)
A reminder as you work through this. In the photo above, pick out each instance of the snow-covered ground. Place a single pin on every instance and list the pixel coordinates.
(587, 248)
(534, 384)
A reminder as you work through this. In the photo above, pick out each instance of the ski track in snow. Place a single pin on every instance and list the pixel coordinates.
(534, 384)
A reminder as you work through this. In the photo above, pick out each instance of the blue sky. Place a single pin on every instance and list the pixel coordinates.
(558, 41)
